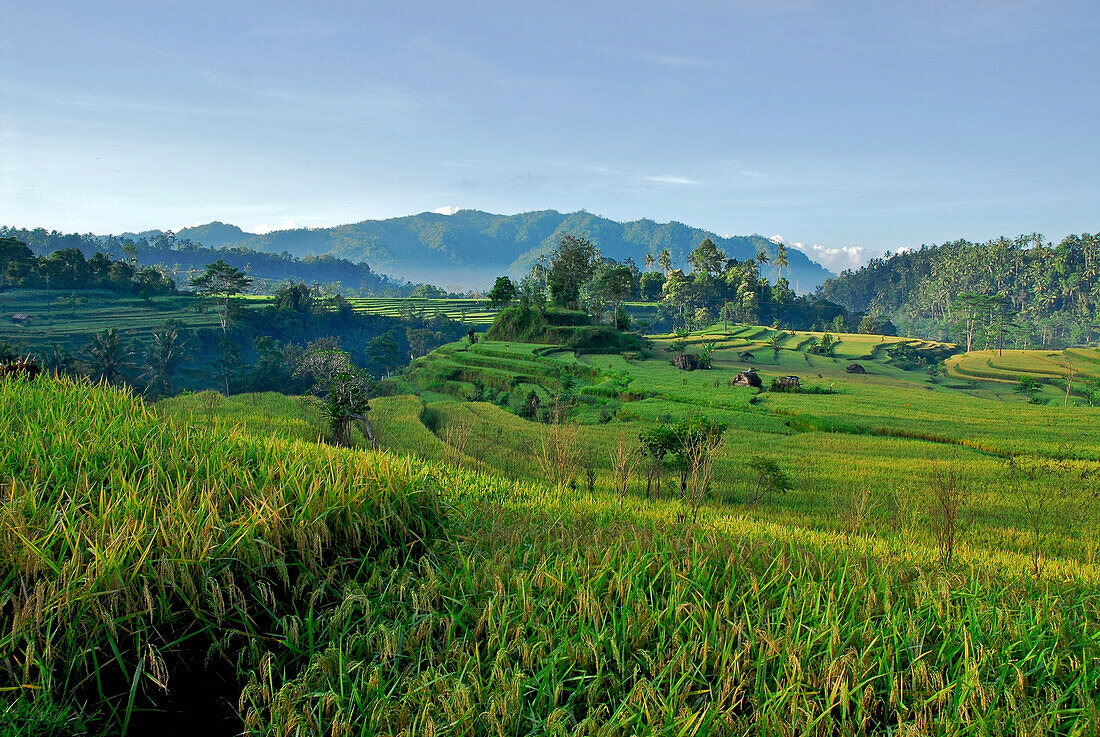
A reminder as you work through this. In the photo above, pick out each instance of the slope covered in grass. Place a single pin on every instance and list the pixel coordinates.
(134, 549)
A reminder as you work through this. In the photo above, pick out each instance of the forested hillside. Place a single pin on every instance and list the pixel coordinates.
(469, 247)
(179, 256)
(1020, 292)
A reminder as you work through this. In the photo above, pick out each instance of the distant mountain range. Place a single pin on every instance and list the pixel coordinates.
(471, 247)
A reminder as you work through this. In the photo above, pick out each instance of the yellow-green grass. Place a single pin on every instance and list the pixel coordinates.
(129, 541)
(563, 610)
(543, 610)
(565, 613)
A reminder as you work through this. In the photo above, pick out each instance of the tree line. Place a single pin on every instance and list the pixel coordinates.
(68, 268)
(715, 288)
(253, 349)
(1020, 292)
(181, 259)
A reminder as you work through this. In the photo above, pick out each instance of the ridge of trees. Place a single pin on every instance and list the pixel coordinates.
(1012, 293)
(180, 258)
(717, 288)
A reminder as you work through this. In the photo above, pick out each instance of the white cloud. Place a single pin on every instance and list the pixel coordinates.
(776, 239)
(669, 179)
(261, 229)
(837, 258)
(446, 210)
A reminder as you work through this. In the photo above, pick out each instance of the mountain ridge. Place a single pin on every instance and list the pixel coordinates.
(470, 247)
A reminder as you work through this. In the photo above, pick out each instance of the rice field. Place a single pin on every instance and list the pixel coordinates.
(69, 320)
(474, 312)
(216, 555)
(1001, 371)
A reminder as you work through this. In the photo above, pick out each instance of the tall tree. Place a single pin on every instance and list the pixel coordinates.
(664, 259)
(707, 259)
(108, 360)
(570, 267)
(163, 356)
(221, 281)
(781, 261)
(502, 293)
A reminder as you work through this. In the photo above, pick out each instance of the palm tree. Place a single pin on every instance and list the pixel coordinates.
(59, 360)
(649, 261)
(163, 357)
(106, 357)
(780, 261)
(664, 258)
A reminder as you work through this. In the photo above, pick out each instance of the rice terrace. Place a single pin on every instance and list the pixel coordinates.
(720, 369)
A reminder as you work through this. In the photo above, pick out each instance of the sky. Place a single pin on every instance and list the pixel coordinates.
(849, 128)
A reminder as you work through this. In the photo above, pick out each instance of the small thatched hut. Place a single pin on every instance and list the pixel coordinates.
(21, 318)
(747, 356)
(789, 383)
(687, 362)
(855, 368)
(747, 378)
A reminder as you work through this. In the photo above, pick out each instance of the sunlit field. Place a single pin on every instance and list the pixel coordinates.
(448, 585)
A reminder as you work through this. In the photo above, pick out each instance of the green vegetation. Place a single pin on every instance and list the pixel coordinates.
(798, 594)
(132, 547)
(475, 312)
(568, 328)
(1019, 293)
(563, 533)
(181, 255)
(577, 275)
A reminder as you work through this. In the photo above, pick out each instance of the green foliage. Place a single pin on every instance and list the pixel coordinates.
(1008, 292)
(1029, 386)
(131, 541)
(503, 293)
(570, 267)
(769, 479)
(346, 388)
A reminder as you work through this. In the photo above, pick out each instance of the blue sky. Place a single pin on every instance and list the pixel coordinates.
(853, 128)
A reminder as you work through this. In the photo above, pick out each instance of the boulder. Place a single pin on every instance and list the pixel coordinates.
(855, 368)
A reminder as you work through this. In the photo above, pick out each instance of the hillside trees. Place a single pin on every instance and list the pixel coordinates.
(503, 293)
(345, 388)
(570, 266)
(107, 358)
(221, 281)
(68, 268)
(1048, 295)
(164, 355)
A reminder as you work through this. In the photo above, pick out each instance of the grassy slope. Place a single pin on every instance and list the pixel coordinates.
(130, 544)
(550, 611)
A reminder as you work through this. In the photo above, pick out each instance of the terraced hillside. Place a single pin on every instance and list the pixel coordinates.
(468, 311)
(68, 320)
(1055, 371)
(208, 567)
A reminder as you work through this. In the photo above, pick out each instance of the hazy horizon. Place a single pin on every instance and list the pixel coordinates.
(852, 129)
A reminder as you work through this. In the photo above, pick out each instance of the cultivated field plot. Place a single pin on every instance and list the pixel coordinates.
(474, 312)
(486, 574)
(70, 320)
